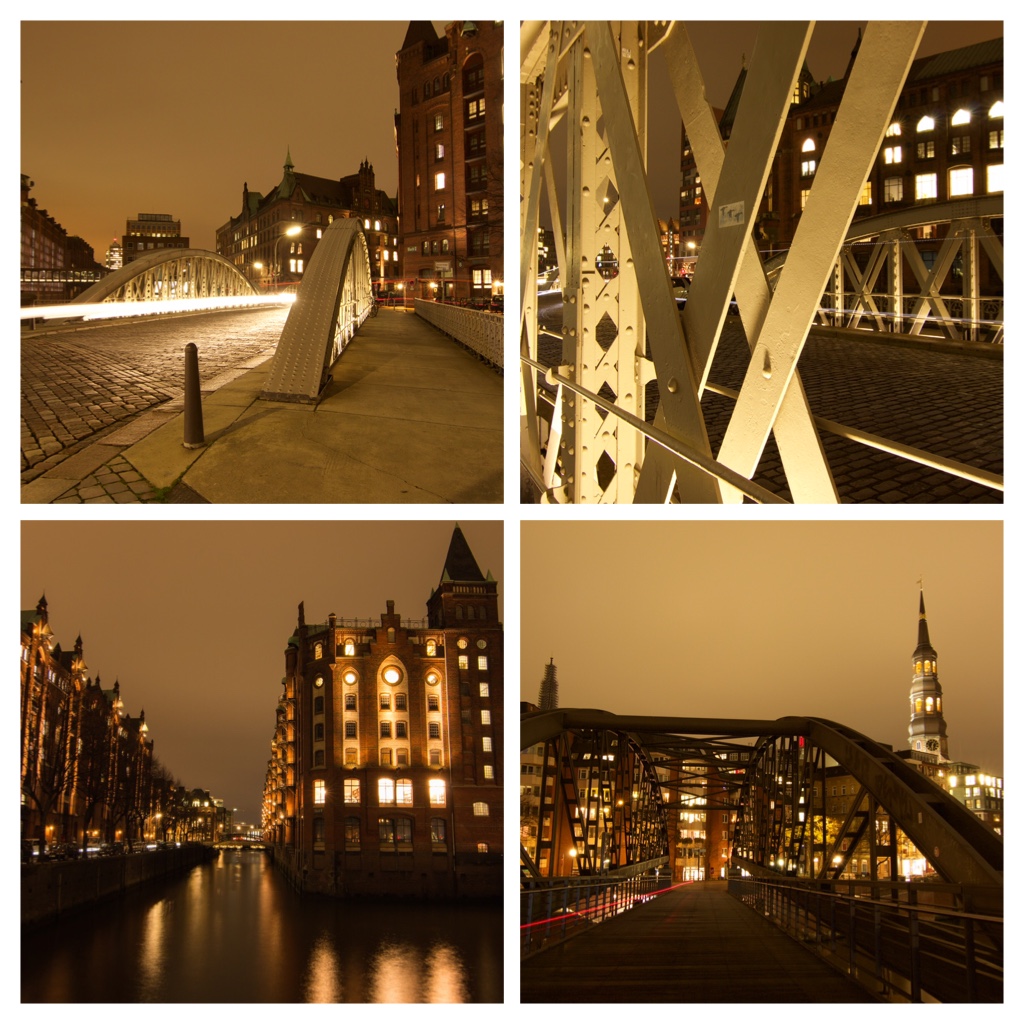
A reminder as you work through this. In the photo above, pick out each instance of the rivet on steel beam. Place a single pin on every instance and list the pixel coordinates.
(766, 370)
(673, 385)
(572, 298)
(585, 119)
(572, 451)
(586, 52)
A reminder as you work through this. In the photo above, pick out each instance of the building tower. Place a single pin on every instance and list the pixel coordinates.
(548, 699)
(927, 726)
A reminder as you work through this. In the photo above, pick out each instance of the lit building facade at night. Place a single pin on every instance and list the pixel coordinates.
(386, 771)
(151, 232)
(449, 131)
(274, 237)
(945, 142)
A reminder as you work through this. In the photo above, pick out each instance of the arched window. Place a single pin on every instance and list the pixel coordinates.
(808, 146)
(318, 650)
(929, 705)
(927, 667)
(961, 117)
(926, 124)
(917, 668)
(431, 648)
(996, 110)
(917, 706)
(894, 129)
(350, 648)
(426, 90)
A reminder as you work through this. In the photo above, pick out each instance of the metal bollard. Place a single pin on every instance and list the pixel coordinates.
(194, 437)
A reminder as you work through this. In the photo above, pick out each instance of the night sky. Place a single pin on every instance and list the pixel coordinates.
(193, 618)
(122, 118)
(762, 620)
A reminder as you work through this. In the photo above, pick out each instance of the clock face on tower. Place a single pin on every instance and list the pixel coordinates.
(932, 744)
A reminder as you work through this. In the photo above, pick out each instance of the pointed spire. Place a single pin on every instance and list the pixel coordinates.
(548, 700)
(922, 626)
(460, 564)
(288, 165)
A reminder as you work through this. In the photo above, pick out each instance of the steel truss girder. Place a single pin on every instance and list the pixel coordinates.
(168, 275)
(614, 109)
(792, 751)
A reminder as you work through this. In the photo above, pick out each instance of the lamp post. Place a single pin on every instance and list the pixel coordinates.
(257, 268)
(292, 232)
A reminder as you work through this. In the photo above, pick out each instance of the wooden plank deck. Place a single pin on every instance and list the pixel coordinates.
(696, 944)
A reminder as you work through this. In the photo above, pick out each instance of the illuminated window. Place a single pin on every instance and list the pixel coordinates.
(481, 662)
(403, 791)
(926, 124)
(464, 661)
(482, 848)
(804, 193)
(961, 117)
(893, 154)
(994, 177)
(486, 744)
(485, 717)
(386, 830)
(319, 791)
(961, 181)
(926, 186)
(350, 650)
(865, 194)
(918, 668)
(438, 122)
(480, 809)
(385, 791)
(434, 730)
(438, 831)
(439, 181)
(927, 666)
(929, 705)
(488, 771)
(926, 150)
(431, 648)
(439, 151)
(437, 792)
(960, 144)
(917, 706)
(485, 689)
(893, 129)
(995, 139)
(318, 650)
(808, 146)
(351, 791)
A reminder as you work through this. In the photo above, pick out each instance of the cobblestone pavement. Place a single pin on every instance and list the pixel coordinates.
(949, 404)
(76, 385)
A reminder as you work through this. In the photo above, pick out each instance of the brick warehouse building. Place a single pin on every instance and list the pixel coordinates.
(449, 131)
(385, 776)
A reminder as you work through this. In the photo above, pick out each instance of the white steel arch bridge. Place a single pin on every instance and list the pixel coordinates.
(588, 423)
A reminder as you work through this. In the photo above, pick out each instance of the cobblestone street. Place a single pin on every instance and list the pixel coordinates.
(78, 384)
(946, 403)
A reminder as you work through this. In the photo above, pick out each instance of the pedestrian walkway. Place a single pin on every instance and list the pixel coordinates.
(695, 944)
(410, 416)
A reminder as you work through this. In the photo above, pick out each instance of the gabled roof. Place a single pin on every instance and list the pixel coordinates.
(952, 61)
(419, 32)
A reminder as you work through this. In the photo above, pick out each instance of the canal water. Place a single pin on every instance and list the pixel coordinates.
(233, 931)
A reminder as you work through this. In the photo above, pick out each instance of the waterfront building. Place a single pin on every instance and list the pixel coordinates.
(273, 238)
(386, 771)
(449, 130)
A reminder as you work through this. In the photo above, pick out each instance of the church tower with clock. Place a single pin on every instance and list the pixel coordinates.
(927, 726)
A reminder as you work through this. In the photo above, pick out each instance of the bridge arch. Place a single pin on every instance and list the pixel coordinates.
(170, 274)
(332, 302)
(776, 786)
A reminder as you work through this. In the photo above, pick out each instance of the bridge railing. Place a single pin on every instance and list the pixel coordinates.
(553, 910)
(913, 947)
(480, 332)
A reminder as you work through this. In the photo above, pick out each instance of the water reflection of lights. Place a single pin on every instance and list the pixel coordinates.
(395, 974)
(151, 952)
(400, 974)
(323, 980)
(446, 976)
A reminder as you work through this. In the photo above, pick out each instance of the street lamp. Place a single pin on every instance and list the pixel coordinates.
(295, 229)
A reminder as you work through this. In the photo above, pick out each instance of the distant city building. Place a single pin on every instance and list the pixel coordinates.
(54, 266)
(449, 131)
(115, 256)
(549, 688)
(927, 725)
(945, 142)
(150, 232)
(668, 233)
(386, 769)
(274, 237)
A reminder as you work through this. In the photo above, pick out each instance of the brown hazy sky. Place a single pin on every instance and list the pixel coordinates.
(193, 618)
(762, 620)
(122, 118)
